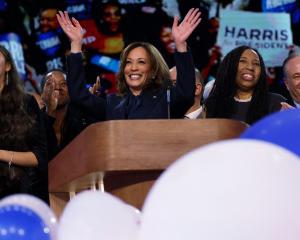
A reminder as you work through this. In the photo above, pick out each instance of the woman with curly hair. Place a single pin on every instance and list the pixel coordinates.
(240, 90)
(142, 76)
(22, 136)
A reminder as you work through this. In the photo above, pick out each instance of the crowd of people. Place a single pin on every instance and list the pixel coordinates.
(35, 127)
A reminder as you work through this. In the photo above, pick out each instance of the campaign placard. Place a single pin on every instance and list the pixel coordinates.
(269, 33)
(11, 41)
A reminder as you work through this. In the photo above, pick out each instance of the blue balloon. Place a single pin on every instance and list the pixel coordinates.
(281, 128)
(21, 223)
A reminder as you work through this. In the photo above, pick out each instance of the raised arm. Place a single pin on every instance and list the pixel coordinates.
(72, 29)
(182, 95)
(79, 94)
(182, 31)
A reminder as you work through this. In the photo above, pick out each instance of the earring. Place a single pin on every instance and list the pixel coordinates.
(6, 78)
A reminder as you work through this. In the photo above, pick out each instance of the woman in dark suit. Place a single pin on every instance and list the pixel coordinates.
(143, 92)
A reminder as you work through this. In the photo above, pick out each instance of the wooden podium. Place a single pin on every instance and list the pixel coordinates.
(125, 157)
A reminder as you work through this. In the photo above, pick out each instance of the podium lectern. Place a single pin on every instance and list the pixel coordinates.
(124, 157)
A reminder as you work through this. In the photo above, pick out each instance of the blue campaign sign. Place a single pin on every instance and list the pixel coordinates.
(49, 43)
(12, 43)
(279, 6)
(79, 9)
(269, 33)
(106, 62)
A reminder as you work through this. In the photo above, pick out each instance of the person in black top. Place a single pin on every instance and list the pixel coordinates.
(10, 180)
(240, 90)
(141, 78)
(64, 121)
(22, 133)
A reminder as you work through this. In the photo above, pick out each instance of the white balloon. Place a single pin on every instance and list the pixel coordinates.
(230, 190)
(36, 205)
(95, 215)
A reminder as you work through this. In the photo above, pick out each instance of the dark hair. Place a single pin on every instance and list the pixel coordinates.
(220, 102)
(159, 69)
(15, 123)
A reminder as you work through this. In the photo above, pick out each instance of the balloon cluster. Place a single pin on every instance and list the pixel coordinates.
(98, 215)
(281, 128)
(230, 190)
(247, 188)
(90, 215)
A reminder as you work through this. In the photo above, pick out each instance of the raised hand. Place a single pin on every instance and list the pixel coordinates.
(182, 31)
(50, 97)
(96, 86)
(72, 29)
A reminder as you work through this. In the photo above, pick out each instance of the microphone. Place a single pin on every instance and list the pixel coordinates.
(169, 101)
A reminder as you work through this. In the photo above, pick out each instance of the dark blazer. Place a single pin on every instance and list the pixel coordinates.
(150, 104)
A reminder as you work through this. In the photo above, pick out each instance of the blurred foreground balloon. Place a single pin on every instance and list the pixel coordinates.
(229, 190)
(21, 223)
(38, 206)
(94, 215)
(282, 128)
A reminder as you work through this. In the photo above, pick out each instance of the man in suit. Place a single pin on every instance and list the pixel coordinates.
(195, 111)
(291, 69)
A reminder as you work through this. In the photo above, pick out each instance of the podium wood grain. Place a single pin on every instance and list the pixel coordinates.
(131, 154)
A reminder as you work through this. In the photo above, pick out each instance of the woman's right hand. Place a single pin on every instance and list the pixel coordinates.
(50, 97)
(182, 31)
(96, 87)
(72, 29)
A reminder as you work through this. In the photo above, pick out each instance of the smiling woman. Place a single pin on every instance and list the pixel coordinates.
(240, 91)
(142, 78)
(142, 67)
(248, 74)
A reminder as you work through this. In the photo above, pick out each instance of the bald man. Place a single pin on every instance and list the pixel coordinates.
(291, 70)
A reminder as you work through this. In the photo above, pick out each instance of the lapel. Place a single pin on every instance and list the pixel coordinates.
(119, 111)
(202, 114)
(149, 100)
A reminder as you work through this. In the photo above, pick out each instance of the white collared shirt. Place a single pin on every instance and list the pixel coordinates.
(194, 114)
(297, 105)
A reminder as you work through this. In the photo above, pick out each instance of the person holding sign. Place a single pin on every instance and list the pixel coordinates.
(240, 91)
(141, 78)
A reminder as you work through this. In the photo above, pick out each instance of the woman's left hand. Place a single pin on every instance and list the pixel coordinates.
(286, 106)
(182, 31)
